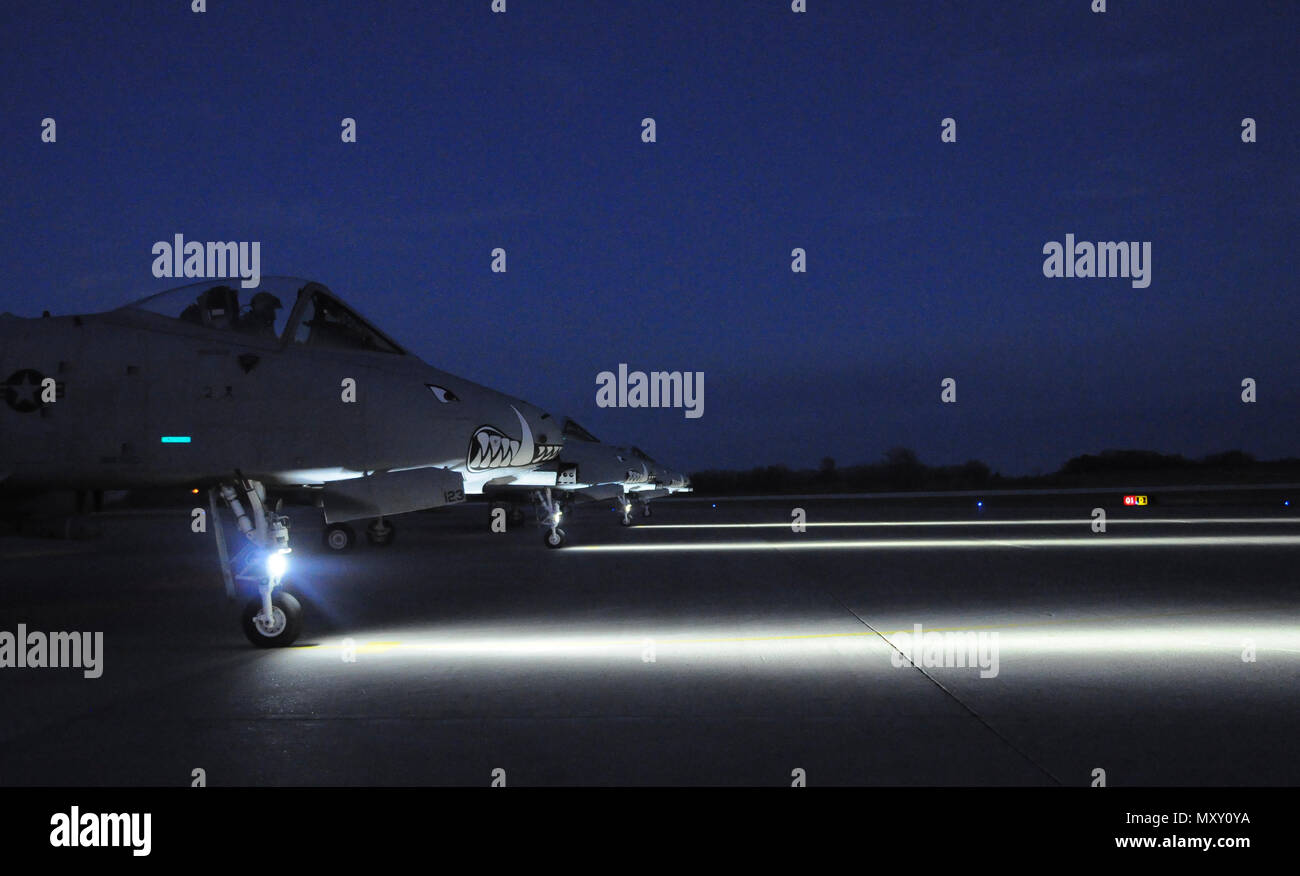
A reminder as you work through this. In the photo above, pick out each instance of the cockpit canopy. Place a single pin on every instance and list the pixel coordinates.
(280, 309)
(574, 432)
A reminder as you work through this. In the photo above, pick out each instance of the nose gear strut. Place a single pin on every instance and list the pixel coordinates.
(273, 618)
(551, 515)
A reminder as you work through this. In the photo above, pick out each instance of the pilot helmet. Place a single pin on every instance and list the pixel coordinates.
(265, 301)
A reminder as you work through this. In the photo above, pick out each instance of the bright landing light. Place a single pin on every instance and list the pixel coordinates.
(277, 564)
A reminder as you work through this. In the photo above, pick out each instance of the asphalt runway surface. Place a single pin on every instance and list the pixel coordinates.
(691, 649)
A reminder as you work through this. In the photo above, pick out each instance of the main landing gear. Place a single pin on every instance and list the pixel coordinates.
(380, 532)
(273, 618)
(340, 537)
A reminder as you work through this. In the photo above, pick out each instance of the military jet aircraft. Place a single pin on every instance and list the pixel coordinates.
(588, 469)
(293, 390)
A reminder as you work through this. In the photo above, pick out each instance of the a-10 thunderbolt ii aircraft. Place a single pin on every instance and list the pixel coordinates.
(293, 390)
(588, 469)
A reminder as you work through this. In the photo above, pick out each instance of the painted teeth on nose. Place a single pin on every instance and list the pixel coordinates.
(492, 448)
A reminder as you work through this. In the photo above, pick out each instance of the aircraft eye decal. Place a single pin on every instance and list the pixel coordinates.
(444, 395)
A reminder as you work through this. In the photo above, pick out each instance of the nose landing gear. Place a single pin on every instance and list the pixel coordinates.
(551, 516)
(273, 618)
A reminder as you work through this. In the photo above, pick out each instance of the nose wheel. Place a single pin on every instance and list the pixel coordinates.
(551, 516)
(278, 629)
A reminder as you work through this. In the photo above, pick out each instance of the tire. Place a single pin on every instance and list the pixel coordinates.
(288, 612)
(339, 537)
(554, 538)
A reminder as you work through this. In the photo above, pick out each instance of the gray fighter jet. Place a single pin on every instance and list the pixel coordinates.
(293, 390)
(587, 469)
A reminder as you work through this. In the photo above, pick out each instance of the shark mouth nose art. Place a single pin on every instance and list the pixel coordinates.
(490, 448)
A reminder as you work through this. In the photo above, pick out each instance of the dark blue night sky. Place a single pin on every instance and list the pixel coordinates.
(775, 131)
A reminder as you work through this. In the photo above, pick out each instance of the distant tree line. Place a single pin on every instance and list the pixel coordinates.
(900, 470)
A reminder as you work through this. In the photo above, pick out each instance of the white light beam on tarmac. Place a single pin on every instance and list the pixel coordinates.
(1095, 541)
(1191, 521)
(1196, 633)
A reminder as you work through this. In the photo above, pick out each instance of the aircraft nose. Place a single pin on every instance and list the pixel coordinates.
(544, 430)
(675, 479)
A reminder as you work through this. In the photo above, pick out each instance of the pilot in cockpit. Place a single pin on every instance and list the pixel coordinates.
(260, 318)
(216, 308)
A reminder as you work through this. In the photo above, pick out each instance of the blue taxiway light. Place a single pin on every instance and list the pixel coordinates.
(176, 439)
